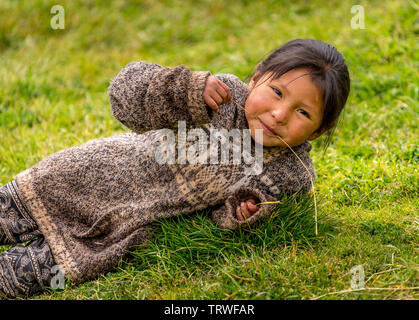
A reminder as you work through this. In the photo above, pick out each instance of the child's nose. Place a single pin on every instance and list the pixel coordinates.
(281, 114)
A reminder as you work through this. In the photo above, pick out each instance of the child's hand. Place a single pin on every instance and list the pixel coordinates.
(216, 93)
(246, 209)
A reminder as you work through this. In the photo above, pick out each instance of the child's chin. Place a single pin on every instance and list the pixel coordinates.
(267, 141)
(270, 144)
(274, 142)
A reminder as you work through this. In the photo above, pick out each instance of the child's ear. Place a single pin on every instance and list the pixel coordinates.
(253, 81)
(316, 134)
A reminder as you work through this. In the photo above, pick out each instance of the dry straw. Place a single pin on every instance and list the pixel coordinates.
(299, 159)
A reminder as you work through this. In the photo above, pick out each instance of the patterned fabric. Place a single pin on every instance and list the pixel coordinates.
(16, 224)
(94, 201)
(24, 269)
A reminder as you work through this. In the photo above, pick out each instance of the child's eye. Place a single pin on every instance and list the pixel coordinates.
(278, 92)
(304, 113)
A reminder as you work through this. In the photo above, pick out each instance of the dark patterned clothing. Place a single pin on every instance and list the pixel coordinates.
(16, 224)
(94, 201)
(24, 269)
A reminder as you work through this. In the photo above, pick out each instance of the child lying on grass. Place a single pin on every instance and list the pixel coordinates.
(83, 208)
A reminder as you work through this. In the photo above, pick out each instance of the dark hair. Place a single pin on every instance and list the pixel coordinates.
(327, 69)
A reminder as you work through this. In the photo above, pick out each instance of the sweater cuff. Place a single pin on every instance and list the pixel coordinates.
(198, 109)
(225, 217)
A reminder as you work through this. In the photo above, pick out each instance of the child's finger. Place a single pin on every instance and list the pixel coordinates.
(227, 90)
(239, 214)
(252, 200)
(244, 210)
(223, 93)
(212, 104)
(252, 207)
(217, 97)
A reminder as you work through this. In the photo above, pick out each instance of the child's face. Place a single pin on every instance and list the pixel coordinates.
(291, 106)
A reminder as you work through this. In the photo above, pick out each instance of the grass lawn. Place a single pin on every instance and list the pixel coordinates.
(53, 95)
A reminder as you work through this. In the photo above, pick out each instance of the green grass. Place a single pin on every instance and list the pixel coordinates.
(53, 96)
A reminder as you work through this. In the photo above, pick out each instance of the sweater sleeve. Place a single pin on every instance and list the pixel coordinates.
(225, 216)
(145, 96)
(282, 175)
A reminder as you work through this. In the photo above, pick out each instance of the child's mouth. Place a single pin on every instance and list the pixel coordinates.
(267, 130)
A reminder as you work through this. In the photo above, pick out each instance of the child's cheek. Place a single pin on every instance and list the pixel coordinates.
(255, 105)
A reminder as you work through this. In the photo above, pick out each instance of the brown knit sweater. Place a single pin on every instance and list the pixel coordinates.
(93, 202)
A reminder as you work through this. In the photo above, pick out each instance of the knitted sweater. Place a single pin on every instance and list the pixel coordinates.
(94, 201)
